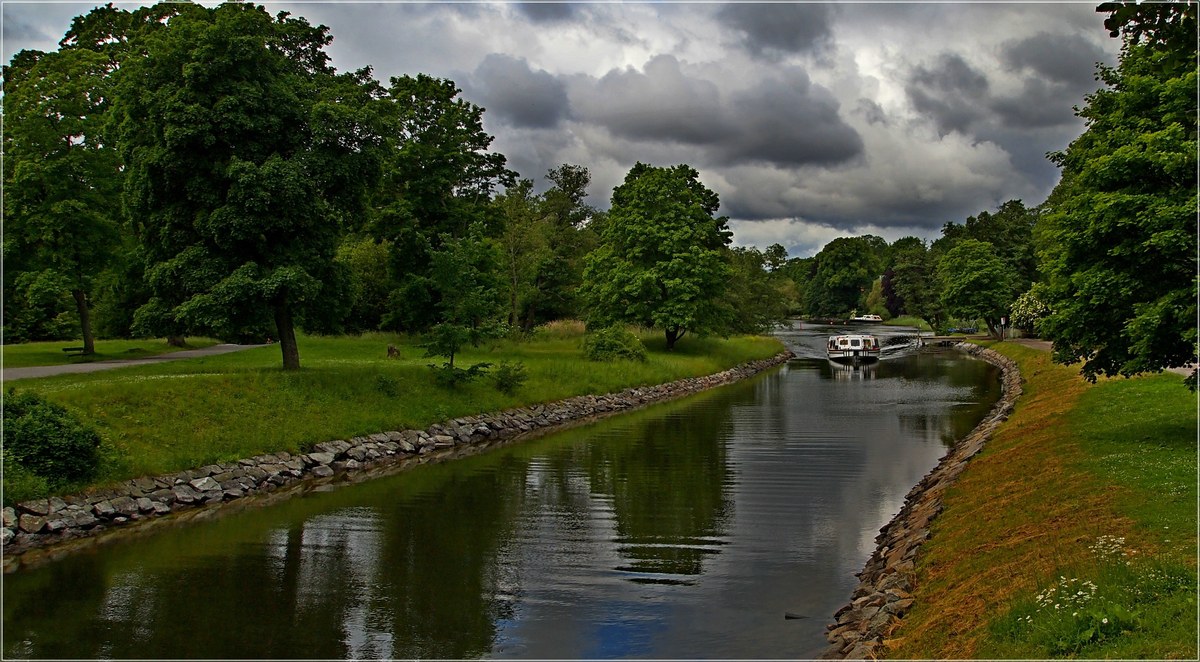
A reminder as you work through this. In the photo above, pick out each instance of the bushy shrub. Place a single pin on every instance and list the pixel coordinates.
(20, 484)
(613, 343)
(509, 377)
(45, 439)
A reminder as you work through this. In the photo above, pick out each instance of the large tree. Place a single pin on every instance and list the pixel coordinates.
(845, 269)
(1120, 229)
(244, 148)
(438, 180)
(659, 263)
(975, 282)
(61, 175)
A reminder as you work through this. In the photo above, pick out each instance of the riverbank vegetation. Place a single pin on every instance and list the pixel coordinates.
(1073, 533)
(173, 416)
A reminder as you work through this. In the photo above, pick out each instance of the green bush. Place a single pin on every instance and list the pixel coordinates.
(612, 343)
(509, 377)
(45, 439)
(19, 483)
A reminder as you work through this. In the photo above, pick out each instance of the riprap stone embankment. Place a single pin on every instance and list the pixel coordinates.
(884, 592)
(44, 522)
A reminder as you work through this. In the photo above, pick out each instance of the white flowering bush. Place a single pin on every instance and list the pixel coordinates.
(1029, 309)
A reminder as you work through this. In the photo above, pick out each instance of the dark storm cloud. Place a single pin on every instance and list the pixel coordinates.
(1068, 59)
(950, 91)
(661, 104)
(1056, 71)
(784, 120)
(515, 94)
(790, 122)
(547, 12)
(769, 30)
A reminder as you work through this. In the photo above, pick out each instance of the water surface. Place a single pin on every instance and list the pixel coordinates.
(685, 530)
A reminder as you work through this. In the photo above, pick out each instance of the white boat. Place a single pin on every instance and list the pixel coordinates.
(872, 319)
(853, 348)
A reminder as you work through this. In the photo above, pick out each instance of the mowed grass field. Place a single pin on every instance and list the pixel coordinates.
(1073, 534)
(172, 416)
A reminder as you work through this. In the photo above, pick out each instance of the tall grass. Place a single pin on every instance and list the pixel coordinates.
(172, 416)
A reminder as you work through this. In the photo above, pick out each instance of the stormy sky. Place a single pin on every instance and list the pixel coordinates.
(810, 120)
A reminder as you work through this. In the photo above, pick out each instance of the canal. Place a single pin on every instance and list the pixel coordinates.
(685, 530)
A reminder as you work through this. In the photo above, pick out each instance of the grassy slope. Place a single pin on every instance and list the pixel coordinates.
(1076, 465)
(178, 415)
(50, 353)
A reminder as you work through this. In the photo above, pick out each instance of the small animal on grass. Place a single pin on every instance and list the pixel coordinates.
(393, 353)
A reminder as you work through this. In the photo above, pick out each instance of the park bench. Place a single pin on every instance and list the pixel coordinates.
(73, 351)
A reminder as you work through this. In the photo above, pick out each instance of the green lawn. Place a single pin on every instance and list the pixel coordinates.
(1073, 534)
(25, 355)
(171, 416)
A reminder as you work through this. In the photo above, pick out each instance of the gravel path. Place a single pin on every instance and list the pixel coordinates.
(10, 374)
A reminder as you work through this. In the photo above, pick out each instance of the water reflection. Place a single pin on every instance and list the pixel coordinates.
(684, 531)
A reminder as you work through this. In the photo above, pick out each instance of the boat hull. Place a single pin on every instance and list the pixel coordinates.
(855, 356)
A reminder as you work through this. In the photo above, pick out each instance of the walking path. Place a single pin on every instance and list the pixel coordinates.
(10, 374)
(1045, 345)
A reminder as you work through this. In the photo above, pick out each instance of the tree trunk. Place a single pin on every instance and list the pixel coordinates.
(85, 321)
(673, 335)
(287, 335)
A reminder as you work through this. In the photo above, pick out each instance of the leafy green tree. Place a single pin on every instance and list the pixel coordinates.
(1010, 231)
(752, 297)
(914, 279)
(975, 282)
(846, 268)
(659, 263)
(369, 264)
(570, 235)
(465, 274)
(799, 271)
(62, 177)
(244, 150)
(438, 180)
(524, 243)
(1119, 233)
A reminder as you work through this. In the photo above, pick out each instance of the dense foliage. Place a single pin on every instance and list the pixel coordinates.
(1120, 232)
(44, 439)
(660, 262)
(613, 342)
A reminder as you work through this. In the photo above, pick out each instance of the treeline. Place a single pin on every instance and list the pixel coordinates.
(974, 272)
(178, 170)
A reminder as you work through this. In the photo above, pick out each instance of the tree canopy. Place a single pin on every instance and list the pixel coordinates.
(1119, 237)
(240, 143)
(659, 263)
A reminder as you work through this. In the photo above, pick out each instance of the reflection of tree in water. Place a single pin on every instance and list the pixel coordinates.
(667, 478)
(444, 568)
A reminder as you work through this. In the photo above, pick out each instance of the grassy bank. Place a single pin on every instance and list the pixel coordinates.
(1073, 534)
(172, 416)
(25, 355)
